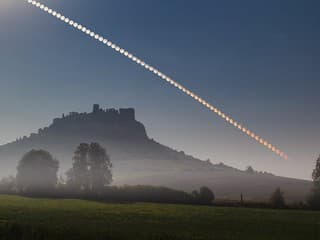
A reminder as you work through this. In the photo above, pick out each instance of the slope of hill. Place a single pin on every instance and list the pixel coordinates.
(137, 159)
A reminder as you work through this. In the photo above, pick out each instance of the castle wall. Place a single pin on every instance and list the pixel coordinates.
(127, 114)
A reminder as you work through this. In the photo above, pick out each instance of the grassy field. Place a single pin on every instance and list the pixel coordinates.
(27, 218)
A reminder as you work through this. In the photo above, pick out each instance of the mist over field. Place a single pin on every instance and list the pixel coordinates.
(138, 159)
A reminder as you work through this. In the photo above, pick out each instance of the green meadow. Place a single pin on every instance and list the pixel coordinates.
(29, 218)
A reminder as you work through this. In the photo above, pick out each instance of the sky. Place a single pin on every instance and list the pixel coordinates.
(258, 61)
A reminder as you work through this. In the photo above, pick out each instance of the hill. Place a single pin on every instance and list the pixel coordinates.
(138, 159)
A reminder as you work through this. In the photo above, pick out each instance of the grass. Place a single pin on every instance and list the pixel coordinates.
(28, 218)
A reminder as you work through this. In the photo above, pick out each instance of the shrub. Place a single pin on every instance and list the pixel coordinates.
(277, 199)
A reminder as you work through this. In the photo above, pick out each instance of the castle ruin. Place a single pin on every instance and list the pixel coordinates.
(122, 113)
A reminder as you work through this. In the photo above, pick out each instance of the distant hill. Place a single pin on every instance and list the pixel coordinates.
(137, 159)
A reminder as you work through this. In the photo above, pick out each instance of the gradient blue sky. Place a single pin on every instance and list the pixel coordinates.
(257, 60)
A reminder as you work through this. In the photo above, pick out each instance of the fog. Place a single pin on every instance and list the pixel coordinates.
(139, 160)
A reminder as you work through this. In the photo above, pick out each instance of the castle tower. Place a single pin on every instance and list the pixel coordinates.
(96, 108)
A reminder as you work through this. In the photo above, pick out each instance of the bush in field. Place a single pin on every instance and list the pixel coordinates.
(204, 196)
(277, 199)
(37, 172)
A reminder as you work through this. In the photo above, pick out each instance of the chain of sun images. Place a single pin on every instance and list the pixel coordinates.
(159, 74)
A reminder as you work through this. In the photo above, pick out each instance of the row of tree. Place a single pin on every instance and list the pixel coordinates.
(91, 170)
(89, 177)
(313, 200)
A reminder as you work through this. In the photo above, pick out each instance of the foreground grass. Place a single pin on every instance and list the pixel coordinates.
(27, 218)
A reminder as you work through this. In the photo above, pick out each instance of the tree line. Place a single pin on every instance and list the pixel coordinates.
(89, 177)
(313, 199)
(91, 170)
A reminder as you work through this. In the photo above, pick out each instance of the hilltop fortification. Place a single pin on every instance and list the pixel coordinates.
(100, 124)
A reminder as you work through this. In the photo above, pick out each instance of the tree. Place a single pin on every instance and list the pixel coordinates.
(241, 199)
(78, 175)
(314, 198)
(206, 196)
(100, 167)
(316, 171)
(91, 168)
(37, 171)
(277, 199)
(250, 170)
(195, 195)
